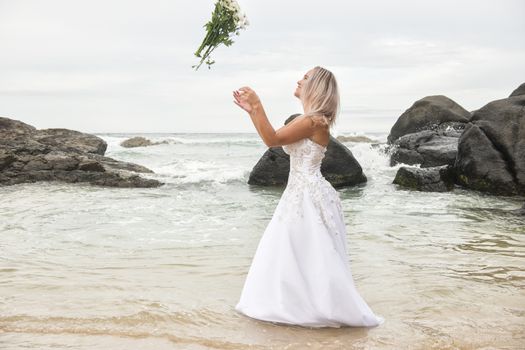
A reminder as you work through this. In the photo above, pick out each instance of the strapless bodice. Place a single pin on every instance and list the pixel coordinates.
(306, 156)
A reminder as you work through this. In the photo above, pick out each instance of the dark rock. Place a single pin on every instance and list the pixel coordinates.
(292, 117)
(61, 161)
(71, 141)
(37, 163)
(428, 113)
(433, 179)
(91, 165)
(78, 176)
(139, 141)
(120, 180)
(519, 91)
(272, 169)
(23, 146)
(428, 147)
(427, 133)
(6, 158)
(491, 150)
(30, 155)
(12, 128)
(339, 166)
(112, 164)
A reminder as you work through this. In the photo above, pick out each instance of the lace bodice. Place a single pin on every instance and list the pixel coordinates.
(306, 156)
(304, 177)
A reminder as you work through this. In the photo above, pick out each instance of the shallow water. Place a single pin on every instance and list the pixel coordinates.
(85, 267)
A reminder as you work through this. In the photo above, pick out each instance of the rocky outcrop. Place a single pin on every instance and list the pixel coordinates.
(339, 166)
(433, 179)
(438, 122)
(30, 155)
(429, 147)
(139, 141)
(491, 150)
(70, 141)
(490, 155)
(519, 91)
(428, 113)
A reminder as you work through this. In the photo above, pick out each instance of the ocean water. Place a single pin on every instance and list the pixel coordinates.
(85, 267)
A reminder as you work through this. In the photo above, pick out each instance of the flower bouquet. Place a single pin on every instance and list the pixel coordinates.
(226, 19)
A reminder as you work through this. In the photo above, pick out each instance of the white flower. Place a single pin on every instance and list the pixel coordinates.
(232, 5)
(236, 5)
(228, 4)
(242, 20)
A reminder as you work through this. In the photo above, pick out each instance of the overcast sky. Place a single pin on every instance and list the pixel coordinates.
(125, 66)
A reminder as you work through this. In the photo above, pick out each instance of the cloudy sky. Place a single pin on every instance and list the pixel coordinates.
(125, 66)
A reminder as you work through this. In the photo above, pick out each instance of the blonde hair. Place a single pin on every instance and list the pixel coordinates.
(320, 94)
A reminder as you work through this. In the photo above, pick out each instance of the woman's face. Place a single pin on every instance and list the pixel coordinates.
(301, 82)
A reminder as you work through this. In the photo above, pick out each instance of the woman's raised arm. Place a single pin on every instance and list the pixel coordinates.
(300, 128)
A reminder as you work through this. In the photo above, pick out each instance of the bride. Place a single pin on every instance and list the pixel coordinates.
(300, 273)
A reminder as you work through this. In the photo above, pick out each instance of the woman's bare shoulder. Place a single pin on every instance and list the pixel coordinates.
(319, 122)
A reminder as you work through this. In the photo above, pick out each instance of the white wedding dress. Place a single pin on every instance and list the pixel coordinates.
(300, 273)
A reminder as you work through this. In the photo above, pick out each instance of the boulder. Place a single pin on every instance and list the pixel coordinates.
(339, 166)
(427, 133)
(428, 147)
(272, 168)
(433, 179)
(491, 150)
(428, 113)
(139, 141)
(30, 155)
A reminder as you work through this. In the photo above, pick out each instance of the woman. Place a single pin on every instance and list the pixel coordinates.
(300, 273)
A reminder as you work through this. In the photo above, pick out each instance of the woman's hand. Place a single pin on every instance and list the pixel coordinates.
(247, 99)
